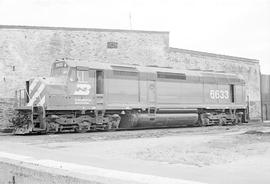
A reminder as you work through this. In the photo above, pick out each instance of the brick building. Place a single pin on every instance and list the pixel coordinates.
(265, 84)
(27, 52)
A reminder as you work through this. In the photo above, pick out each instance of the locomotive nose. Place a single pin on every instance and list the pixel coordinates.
(39, 87)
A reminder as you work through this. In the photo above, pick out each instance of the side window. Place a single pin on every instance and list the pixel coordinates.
(83, 75)
(100, 82)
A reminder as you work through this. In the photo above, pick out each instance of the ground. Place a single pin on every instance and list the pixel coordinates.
(228, 154)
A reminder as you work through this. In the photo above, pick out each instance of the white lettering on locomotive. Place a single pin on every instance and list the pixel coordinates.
(82, 89)
(85, 101)
(219, 94)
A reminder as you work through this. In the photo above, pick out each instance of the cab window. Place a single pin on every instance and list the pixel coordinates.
(83, 75)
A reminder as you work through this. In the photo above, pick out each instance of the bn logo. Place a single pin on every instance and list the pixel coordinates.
(219, 94)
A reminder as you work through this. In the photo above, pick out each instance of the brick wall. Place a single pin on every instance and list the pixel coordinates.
(249, 69)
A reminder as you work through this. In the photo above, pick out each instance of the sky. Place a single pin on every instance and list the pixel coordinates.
(231, 27)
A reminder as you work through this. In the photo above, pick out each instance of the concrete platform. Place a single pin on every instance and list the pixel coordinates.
(26, 170)
(214, 155)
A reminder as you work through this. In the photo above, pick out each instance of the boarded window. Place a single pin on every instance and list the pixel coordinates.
(176, 76)
(112, 45)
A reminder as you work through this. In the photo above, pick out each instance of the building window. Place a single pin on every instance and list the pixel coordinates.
(112, 45)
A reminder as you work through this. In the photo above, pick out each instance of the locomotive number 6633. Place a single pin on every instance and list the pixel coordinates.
(219, 94)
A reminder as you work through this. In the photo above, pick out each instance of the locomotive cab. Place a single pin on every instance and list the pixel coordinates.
(83, 85)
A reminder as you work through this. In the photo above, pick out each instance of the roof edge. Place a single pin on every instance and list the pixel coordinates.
(171, 49)
(78, 29)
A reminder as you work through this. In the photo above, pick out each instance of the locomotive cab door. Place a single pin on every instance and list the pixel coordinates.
(99, 89)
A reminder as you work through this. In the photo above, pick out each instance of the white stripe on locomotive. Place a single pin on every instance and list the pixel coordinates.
(32, 85)
(36, 95)
(31, 94)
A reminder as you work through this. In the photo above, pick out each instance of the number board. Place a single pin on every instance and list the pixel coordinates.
(59, 65)
(219, 94)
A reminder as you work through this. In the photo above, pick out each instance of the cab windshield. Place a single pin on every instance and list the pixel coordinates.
(59, 69)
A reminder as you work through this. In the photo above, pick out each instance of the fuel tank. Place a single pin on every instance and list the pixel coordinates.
(147, 120)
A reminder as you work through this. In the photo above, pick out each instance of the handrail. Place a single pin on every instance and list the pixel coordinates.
(20, 97)
(27, 93)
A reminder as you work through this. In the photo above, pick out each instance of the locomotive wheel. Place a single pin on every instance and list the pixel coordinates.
(109, 126)
(222, 121)
(83, 127)
(77, 130)
(238, 120)
(52, 127)
(115, 121)
(205, 121)
(202, 120)
(198, 123)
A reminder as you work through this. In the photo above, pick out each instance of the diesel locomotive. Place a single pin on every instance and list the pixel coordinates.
(81, 96)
